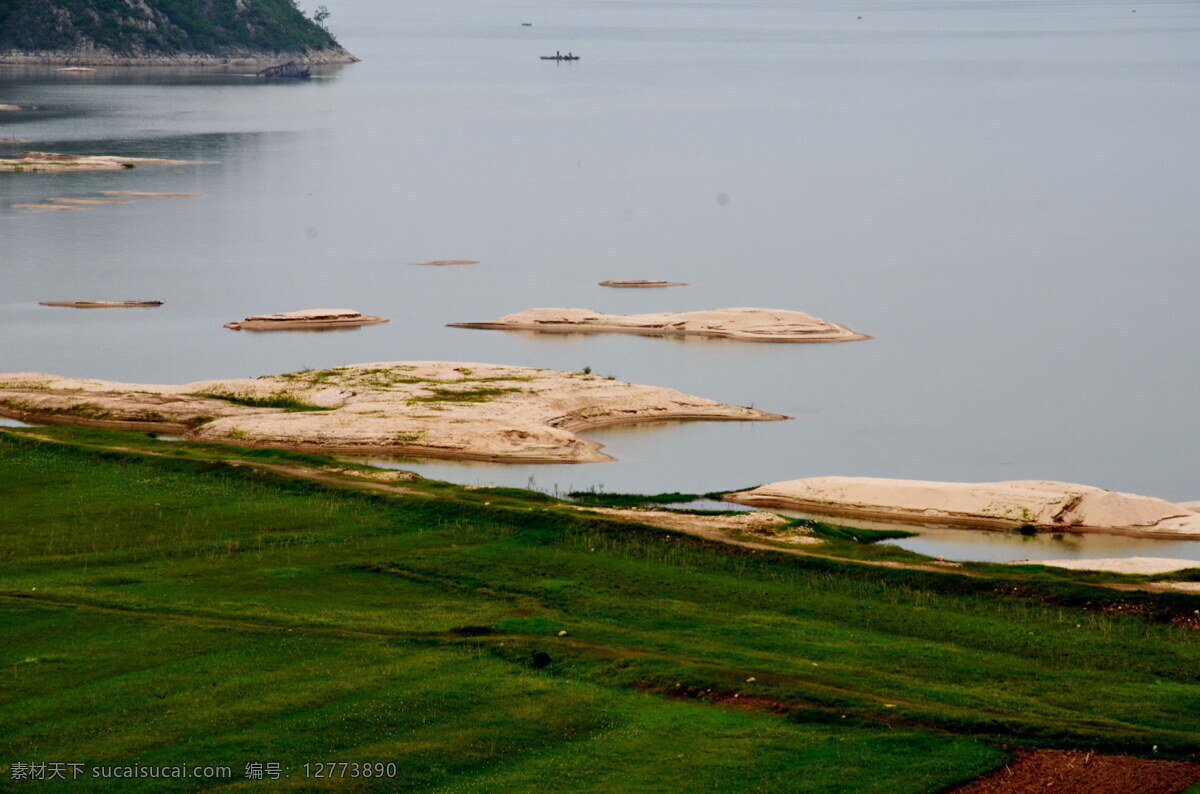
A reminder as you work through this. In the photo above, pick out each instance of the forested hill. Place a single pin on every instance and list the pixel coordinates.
(155, 31)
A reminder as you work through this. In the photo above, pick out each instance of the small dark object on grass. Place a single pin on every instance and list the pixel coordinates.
(540, 659)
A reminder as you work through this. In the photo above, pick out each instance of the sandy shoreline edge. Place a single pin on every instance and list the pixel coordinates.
(98, 57)
(1044, 505)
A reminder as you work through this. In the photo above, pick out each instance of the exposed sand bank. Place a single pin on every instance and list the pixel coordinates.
(86, 201)
(52, 161)
(745, 324)
(4, 108)
(46, 207)
(1055, 506)
(426, 409)
(642, 282)
(1138, 565)
(443, 262)
(102, 304)
(150, 195)
(306, 318)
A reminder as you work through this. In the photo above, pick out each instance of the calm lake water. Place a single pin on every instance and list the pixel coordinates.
(978, 545)
(1003, 193)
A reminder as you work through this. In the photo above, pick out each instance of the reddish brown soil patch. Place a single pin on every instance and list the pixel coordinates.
(737, 700)
(1074, 772)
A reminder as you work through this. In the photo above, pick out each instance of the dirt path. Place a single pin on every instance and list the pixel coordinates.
(1075, 772)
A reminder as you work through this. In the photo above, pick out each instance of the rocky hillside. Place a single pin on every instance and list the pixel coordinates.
(161, 31)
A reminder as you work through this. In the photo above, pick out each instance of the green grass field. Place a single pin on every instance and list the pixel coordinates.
(180, 610)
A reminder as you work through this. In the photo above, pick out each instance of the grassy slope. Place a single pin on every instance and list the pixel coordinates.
(223, 617)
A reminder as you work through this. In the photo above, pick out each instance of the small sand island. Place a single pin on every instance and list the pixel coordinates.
(306, 318)
(423, 408)
(4, 108)
(86, 202)
(643, 282)
(744, 324)
(69, 204)
(103, 304)
(46, 207)
(143, 194)
(1045, 505)
(444, 262)
(53, 162)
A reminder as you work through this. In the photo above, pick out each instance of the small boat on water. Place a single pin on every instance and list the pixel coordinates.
(558, 56)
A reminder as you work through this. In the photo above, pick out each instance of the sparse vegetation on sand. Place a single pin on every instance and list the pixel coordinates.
(285, 401)
(428, 408)
(160, 609)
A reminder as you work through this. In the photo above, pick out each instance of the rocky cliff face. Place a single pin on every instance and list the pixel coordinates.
(161, 31)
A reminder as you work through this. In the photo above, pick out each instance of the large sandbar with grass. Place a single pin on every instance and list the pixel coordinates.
(1046, 505)
(744, 324)
(420, 408)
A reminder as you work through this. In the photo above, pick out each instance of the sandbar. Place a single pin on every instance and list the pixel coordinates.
(10, 108)
(642, 282)
(53, 162)
(86, 201)
(1043, 504)
(420, 408)
(46, 207)
(306, 318)
(1136, 565)
(102, 304)
(150, 195)
(743, 324)
(442, 262)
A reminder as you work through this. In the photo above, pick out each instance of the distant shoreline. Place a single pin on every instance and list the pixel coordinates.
(105, 58)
